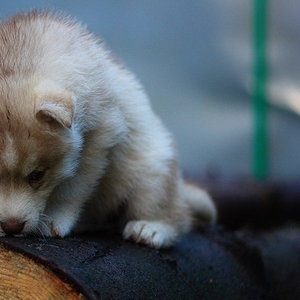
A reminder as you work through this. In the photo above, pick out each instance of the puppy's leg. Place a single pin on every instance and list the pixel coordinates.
(63, 209)
(67, 200)
(155, 213)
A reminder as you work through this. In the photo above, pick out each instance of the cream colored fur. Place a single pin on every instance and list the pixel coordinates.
(70, 111)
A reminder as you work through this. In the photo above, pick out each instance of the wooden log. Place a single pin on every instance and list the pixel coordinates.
(26, 277)
(206, 265)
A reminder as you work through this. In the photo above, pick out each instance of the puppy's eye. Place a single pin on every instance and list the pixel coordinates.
(35, 176)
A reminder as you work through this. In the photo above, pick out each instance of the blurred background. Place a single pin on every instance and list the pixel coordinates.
(194, 60)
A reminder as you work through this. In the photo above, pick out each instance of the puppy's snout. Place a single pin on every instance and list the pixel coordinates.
(12, 226)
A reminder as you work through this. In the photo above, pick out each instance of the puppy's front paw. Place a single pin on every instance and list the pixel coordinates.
(151, 233)
(51, 228)
(54, 231)
(59, 230)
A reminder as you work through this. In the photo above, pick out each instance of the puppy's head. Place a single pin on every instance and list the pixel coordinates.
(39, 147)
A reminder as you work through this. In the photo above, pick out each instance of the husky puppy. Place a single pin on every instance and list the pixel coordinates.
(79, 140)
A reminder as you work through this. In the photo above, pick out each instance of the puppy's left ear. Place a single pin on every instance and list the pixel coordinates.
(54, 105)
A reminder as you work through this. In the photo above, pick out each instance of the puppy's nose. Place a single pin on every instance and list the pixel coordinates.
(12, 226)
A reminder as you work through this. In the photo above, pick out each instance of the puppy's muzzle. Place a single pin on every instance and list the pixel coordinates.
(12, 226)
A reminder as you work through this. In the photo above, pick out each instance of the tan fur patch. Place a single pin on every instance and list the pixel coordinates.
(9, 155)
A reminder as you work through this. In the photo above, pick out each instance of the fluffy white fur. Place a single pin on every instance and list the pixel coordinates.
(71, 112)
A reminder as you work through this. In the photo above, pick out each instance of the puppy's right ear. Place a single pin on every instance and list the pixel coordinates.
(54, 105)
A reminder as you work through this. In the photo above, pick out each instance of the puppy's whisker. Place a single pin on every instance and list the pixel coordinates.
(44, 222)
(46, 217)
(40, 233)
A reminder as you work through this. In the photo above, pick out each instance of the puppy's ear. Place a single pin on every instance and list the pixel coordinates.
(54, 105)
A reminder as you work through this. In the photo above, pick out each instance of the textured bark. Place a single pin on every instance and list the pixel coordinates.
(207, 265)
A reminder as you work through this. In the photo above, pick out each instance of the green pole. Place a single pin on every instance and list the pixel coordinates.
(259, 101)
